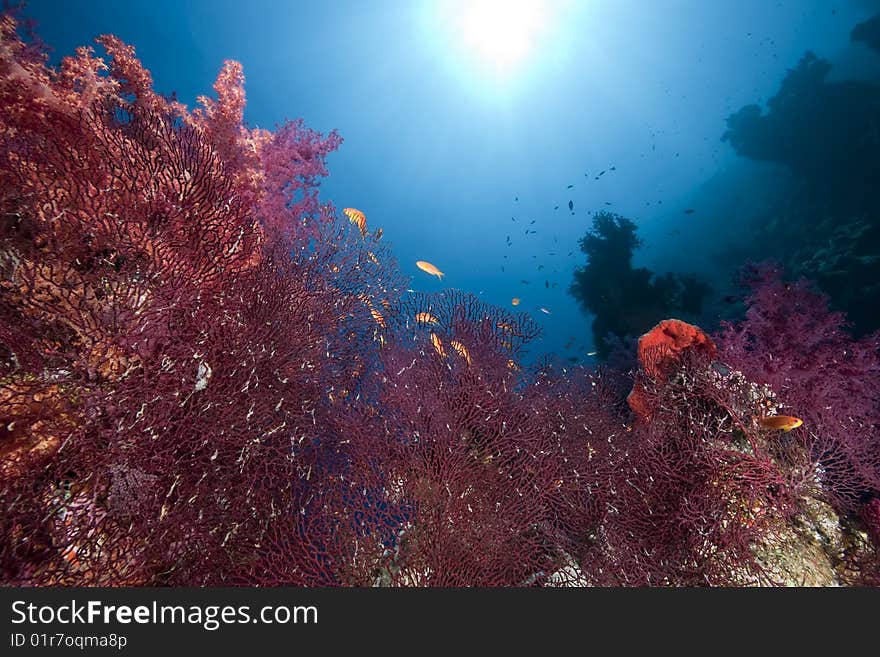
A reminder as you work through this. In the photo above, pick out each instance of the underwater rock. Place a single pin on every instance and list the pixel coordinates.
(868, 32)
(871, 517)
(817, 547)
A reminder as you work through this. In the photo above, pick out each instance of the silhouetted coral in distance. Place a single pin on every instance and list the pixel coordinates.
(626, 302)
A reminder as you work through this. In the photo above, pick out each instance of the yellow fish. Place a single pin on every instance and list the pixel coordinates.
(512, 365)
(461, 350)
(438, 346)
(504, 326)
(783, 422)
(373, 258)
(429, 268)
(426, 318)
(378, 317)
(358, 218)
(515, 301)
(379, 232)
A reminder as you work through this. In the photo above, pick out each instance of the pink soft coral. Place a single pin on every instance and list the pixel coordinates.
(792, 342)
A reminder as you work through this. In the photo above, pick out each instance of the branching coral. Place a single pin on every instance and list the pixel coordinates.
(624, 301)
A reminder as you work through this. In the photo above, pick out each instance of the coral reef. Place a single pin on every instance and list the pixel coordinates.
(868, 32)
(625, 301)
(825, 226)
(207, 377)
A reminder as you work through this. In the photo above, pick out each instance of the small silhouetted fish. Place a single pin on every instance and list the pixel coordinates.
(540, 267)
(674, 232)
(601, 173)
(547, 284)
(552, 253)
(516, 198)
(613, 169)
(525, 282)
(555, 207)
(689, 211)
(730, 298)
(513, 218)
(502, 267)
(573, 359)
(571, 205)
(531, 222)
(607, 203)
(570, 186)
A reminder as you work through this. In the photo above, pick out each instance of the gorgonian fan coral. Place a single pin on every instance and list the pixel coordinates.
(167, 337)
(467, 473)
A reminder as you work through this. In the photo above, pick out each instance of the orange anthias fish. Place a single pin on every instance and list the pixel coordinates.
(426, 318)
(358, 218)
(69, 554)
(429, 268)
(461, 350)
(380, 320)
(438, 346)
(783, 422)
(515, 301)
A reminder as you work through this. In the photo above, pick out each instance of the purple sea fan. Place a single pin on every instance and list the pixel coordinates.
(164, 354)
(792, 342)
(460, 478)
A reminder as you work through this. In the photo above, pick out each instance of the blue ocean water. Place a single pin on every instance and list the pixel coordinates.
(612, 106)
